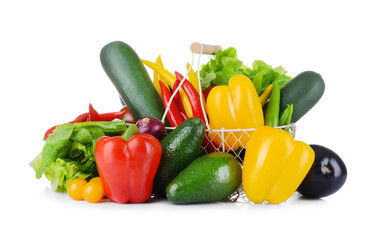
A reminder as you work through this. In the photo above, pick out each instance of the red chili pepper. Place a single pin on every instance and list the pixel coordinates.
(127, 166)
(184, 116)
(111, 116)
(193, 96)
(173, 115)
(177, 99)
(94, 115)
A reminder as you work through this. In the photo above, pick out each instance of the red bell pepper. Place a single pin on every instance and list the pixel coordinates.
(127, 166)
(174, 116)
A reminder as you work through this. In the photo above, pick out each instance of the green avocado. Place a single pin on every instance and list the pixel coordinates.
(179, 148)
(212, 177)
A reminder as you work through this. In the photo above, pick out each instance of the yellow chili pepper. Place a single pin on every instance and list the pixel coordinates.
(236, 106)
(156, 76)
(274, 165)
(265, 95)
(168, 78)
(194, 81)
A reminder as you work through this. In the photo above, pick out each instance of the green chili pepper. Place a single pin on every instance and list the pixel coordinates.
(286, 115)
(272, 113)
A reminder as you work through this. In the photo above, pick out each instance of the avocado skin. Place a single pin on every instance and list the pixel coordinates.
(212, 177)
(179, 148)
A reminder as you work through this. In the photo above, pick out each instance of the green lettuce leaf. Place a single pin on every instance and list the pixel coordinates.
(219, 70)
(68, 153)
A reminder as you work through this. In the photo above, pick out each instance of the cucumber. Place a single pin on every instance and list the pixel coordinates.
(303, 91)
(136, 89)
(212, 177)
(179, 148)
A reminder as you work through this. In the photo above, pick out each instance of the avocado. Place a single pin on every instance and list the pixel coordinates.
(179, 148)
(212, 177)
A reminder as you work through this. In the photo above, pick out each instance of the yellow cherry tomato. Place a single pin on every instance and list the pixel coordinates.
(75, 188)
(97, 179)
(93, 191)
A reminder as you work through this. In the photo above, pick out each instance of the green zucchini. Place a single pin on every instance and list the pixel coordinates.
(303, 91)
(136, 89)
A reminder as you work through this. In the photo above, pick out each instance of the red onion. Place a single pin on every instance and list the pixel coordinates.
(152, 126)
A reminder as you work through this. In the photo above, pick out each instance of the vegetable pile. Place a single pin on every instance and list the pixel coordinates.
(158, 144)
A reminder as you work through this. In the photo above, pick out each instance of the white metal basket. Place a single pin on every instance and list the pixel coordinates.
(223, 135)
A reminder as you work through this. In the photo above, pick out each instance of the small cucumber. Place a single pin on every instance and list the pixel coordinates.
(303, 91)
(179, 148)
(212, 177)
(126, 71)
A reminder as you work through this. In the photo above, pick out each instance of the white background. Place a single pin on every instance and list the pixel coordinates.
(50, 71)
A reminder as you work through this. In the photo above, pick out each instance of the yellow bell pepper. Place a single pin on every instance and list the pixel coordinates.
(168, 78)
(236, 106)
(274, 165)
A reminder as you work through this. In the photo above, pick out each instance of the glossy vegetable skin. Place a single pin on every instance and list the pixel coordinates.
(152, 126)
(212, 177)
(126, 71)
(272, 113)
(303, 91)
(233, 107)
(327, 175)
(179, 148)
(274, 165)
(173, 114)
(127, 167)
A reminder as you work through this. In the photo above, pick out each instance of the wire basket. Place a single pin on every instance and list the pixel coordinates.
(233, 141)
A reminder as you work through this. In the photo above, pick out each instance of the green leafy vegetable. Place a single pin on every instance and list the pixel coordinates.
(219, 70)
(69, 152)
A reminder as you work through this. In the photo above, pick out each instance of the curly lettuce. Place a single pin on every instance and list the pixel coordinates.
(68, 153)
(220, 69)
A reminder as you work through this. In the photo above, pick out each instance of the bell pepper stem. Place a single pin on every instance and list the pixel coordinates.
(132, 130)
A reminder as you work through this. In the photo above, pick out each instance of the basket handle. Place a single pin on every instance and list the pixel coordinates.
(204, 48)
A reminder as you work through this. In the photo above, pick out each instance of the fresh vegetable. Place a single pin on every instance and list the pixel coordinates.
(127, 116)
(265, 95)
(327, 175)
(81, 118)
(179, 148)
(274, 165)
(152, 126)
(272, 113)
(92, 115)
(303, 91)
(212, 177)
(173, 114)
(193, 96)
(193, 77)
(132, 81)
(177, 98)
(156, 76)
(236, 106)
(226, 64)
(206, 91)
(127, 165)
(286, 115)
(170, 79)
(69, 152)
(93, 191)
(75, 188)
